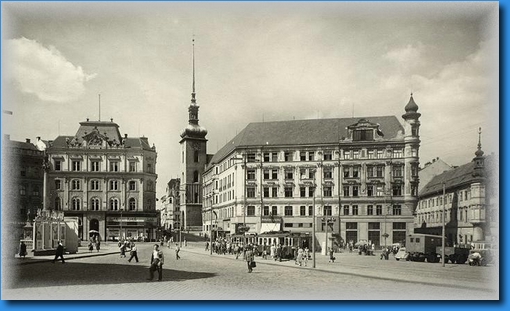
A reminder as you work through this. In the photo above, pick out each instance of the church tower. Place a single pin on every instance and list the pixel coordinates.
(193, 161)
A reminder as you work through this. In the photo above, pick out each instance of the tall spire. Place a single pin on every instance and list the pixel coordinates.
(193, 100)
(479, 151)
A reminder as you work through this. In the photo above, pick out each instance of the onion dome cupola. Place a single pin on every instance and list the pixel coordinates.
(193, 129)
(411, 110)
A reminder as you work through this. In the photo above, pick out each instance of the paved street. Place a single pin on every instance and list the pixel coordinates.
(201, 276)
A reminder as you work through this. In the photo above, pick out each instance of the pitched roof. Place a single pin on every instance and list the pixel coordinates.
(456, 177)
(303, 132)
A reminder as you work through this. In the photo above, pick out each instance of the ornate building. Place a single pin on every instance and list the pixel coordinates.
(170, 212)
(193, 160)
(359, 176)
(470, 202)
(106, 180)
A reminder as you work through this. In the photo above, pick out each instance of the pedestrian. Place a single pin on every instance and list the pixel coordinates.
(91, 247)
(157, 260)
(59, 252)
(273, 251)
(206, 246)
(133, 252)
(250, 259)
(331, 256)
(185, 243)
(299, 257)
(306, 255)
(123, 247)
(177, 250)
(22, 250)
(98, 245)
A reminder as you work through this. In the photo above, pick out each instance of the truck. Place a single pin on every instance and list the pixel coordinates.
(421, 247)
(455, 254)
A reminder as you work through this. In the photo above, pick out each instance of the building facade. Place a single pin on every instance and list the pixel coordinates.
(170, 213)
(430, 170)
(470, 202)
(22, 187)
(359, 177)
(106, 180)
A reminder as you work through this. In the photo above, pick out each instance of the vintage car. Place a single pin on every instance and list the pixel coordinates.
(401, 254)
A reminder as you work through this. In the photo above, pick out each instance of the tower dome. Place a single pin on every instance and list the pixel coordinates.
(411, 109)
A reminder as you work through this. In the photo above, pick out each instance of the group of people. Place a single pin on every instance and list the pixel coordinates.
(130, 246)
(94, 242)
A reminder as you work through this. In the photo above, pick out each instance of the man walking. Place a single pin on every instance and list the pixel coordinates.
(133, 252)
(157, 260)
(59, 252)
(250, 259)
(177, 250)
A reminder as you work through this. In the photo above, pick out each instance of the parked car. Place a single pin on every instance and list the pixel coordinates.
(401, 254)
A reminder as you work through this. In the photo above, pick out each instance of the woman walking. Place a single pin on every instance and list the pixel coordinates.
(250, 259)
(133, 252)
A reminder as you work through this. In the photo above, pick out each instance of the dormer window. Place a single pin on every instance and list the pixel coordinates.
(363, 135)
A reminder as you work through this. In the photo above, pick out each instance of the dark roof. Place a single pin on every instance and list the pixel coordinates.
(303, 132)
(19, 145)
(454, 178)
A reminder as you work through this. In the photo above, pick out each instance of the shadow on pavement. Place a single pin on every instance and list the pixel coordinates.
(58, 274)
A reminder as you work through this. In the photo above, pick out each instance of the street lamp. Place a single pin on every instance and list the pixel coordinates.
(120, 233)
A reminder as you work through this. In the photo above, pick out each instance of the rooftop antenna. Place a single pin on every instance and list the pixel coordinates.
(193, 61)
(99, 107)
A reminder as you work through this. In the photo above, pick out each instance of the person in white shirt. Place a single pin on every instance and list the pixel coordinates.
(157, 260)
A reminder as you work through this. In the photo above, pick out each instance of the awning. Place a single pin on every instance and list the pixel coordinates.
(268, 227)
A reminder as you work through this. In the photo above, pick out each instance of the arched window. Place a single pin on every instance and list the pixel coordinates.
(195, 176)
(114, 204)
(76, 204)
(94, 204)
(132, 204)
(58, 204)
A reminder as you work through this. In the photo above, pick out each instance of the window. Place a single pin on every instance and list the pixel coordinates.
(114, 185)
(346, 191)
(363, 135)
(251, 157)
(414, 170)
(132, 185)
(132, 166)
(398, 153)
(311, 174)
(274, 174)
(302, 156)
(22, 189)
(266, 211)
(274, 192)
(328, 173)
(378, 210)
(266, 156)
(397, 171)
(289, 174)
(58, 165)
(58, 204)
(250, 192)
(397, 189)
(328, 156)
(346, 209)
(379, 191)
(94, 204)
(370, 210)
(370, 171)
(311, 156)
(379, 171)
(94, 184)
(196, 156)
(355, 154)
(351, 225)
(75, 184)
(58, 184)
(274, 210)
(114, 166)
(302, 192)
(311, 191)
(327, 192)
(266, 192)
(327, 210)
(286, 156)
(355, 190)
(114, 204)
(380, 154)
(302, 211)
(288, 210)
(288, 192)
(35, 190)
(371, 154)
(310, 210)
(75, 204)
(355, 171)
(250, 211)
(251, 174)
(347, 154)
(132, 204)
(274, 156)
(370, 190)
(195, 176)
(94, 166)
(76, 166)
(346, 171)
(397, 209)
(266, 174)
(355, 210)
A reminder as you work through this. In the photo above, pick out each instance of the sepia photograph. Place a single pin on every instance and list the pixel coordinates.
(250, 151)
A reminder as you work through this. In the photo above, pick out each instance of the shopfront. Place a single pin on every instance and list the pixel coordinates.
(139, 228)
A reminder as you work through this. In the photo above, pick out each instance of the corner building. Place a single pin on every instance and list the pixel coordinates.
(106, 180)
(359, 175)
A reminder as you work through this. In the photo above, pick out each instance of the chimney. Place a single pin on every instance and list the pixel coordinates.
(87, 119)
(27, 140)
(111, 119)
(38, 138)
(125, 135)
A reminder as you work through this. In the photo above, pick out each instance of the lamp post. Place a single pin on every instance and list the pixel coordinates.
(444, 224)
(120, 233)
(210, 227)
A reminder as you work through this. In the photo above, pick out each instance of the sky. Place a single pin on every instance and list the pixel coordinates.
(256, 61)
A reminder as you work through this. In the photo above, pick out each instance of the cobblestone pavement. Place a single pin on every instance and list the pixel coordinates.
(200, 276)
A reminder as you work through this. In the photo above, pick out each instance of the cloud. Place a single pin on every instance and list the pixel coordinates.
(44, 72)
